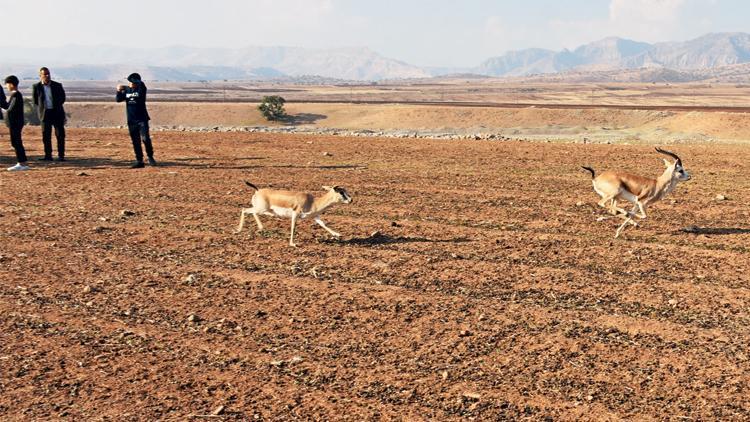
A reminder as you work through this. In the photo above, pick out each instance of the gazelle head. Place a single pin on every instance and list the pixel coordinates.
(676, 169)
(341, 194)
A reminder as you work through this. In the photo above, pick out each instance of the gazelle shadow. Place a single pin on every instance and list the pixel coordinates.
(384, 239)
(714, 230)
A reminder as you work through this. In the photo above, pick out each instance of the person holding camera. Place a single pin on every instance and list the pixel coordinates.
(134, 96)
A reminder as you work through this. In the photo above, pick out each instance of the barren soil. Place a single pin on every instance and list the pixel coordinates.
(533, 122)
(468, 284)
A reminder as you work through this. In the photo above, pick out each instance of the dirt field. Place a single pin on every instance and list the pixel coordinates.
(534, 122)
(472, 90)
(468, 284)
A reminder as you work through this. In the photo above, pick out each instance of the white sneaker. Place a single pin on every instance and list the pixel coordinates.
(19, 167)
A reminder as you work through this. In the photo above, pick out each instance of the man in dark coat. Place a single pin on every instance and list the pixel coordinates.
(135, 97)
(15, 121)
(49, 97)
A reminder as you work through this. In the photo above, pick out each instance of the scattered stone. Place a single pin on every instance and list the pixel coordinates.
(672, 302)
(190, 279)
(277, 363)
(327, 154)
(218, 411)
(395, 224)
(87, 289)
(721, 197)
(193, 318)
(580, 204)
(82, 173)
(464, 333)
(472, 396)
(127, 213)
(444, 375)
(296, 359)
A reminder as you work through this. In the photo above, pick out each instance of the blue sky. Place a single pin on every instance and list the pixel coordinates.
(422, 32)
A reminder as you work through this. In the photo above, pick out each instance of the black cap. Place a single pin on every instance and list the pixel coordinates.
(134, 78)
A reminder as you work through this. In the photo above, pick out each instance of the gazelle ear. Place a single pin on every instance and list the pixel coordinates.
(667, 163)
(327, 188)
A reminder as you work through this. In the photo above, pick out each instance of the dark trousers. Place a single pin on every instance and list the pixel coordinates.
(58, 123)
(139, 133)
(17, 143)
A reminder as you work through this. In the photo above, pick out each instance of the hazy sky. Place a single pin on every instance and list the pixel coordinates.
(421, 32)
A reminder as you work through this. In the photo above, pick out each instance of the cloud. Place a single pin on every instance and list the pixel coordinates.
(635, 11)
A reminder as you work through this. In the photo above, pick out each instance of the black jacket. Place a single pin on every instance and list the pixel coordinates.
(136, 103)
(58, 99)
(15, 110)
(3, 101)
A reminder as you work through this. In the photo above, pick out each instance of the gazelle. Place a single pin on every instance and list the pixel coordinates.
(293, 205)
(641, 191)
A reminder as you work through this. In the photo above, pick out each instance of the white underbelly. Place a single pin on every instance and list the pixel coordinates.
(285, 212)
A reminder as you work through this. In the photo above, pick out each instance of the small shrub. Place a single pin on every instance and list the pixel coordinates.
(272, 107)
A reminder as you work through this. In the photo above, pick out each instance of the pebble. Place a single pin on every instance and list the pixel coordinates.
(193, 318)
(721, 197)
(127, 213)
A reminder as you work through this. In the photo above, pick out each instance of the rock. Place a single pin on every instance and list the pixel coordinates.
(82, 173)
(472, 396)
(296, 359)
(327, 154)
(277, 363)
(218, 411)
(672, 302)
(720, 197)
(87, 289)
(193, 318)
(190, 279)
(127, 213)
(444, 375)
(580, 204)
(464, 333)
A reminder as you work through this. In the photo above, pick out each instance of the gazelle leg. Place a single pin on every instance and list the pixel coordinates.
(243, 213)
(322, 224)
(641, 208)
(257, 221)
(622, 226)
(294, 224)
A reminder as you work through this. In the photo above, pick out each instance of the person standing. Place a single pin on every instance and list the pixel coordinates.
(135, 108)
(15, 121)
(49, 97)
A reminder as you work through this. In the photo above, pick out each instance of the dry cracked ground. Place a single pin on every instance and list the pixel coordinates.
(472, 281)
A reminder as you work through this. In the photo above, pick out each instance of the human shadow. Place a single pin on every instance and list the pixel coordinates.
(322, 167)
(101, 163)
(303, 118)
(384, 239)
(714, 230)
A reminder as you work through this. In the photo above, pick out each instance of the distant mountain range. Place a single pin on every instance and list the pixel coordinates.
(708, 51)
(668, 61)
(187, 63)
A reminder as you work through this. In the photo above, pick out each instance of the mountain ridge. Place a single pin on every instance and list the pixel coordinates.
(184, 63)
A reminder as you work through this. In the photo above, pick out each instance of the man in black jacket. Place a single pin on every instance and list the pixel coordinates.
(49, 97)
(135, 96)
(15, 121)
